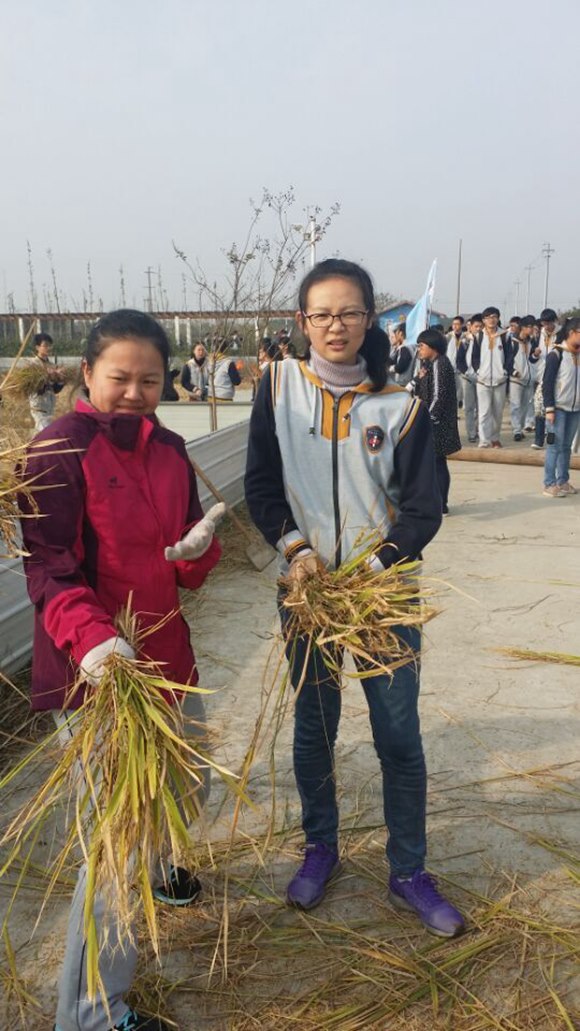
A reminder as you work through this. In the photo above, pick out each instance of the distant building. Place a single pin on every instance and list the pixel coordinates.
(397, 312)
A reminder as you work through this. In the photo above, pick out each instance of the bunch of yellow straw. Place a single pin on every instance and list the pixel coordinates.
(13, 489)
(559, 658)
(358, 609)
(132, 780)
(34, 377)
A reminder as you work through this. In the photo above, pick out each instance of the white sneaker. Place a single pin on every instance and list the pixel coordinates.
(537, 447)
(554, 492)
(567, 488)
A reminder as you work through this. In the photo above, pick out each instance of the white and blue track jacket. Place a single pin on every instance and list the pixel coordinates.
(324, 472)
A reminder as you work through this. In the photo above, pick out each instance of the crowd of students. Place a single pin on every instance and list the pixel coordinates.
(533, 365)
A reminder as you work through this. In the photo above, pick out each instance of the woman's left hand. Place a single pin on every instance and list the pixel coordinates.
(197, 541)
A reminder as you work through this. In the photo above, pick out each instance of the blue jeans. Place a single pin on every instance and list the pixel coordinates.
(394, 721)
(557, 461)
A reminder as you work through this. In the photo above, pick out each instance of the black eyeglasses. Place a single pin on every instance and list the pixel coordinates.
(324, 320)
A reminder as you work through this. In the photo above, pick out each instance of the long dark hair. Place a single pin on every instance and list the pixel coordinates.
(569, 326)
(375, 347)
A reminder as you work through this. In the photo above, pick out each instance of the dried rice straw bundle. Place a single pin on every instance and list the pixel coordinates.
(132, 780)
(559, 658)
(35, 377)
(13, 489)
(357, 608)
(17, 491)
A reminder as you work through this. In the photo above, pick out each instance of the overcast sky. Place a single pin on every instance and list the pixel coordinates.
(128, 123)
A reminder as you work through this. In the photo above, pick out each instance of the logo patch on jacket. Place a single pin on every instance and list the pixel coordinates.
(374, 438)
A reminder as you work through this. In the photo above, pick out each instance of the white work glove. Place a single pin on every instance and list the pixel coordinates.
(198, 539)
(307, 563)
(93, 663)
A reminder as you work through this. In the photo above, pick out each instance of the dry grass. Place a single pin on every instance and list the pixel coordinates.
(355, 964)
(19, 727)
(30, 378)
(529, 655)
(357, 609)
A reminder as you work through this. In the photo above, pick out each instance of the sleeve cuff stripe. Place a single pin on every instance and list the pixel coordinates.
(292, 550)
(410, 418)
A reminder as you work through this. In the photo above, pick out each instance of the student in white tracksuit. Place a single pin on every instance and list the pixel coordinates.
(490, 360)
(454, 340)
(468, 376)
(522, 377)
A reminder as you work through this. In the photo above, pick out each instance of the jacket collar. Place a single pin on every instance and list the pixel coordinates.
(126, 432)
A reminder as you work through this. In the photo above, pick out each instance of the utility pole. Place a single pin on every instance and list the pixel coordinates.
(547, 251)
(529, 269)
(457, 309)
(149, 273)
(312, 233)
(517, 285)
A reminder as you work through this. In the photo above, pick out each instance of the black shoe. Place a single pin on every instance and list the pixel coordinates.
(180, 889)
(445, 510)
(518, 436)
(136, 1022)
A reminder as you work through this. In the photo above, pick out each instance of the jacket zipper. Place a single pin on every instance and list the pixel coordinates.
(337, 530)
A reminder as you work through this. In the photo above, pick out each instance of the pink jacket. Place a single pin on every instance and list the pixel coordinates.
(119, 489)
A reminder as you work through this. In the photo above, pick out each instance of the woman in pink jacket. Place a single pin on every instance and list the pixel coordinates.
(121, 516)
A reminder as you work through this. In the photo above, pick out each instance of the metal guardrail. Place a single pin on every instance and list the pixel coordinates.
(222, 455)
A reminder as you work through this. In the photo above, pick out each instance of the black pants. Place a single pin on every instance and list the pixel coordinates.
(443, 479)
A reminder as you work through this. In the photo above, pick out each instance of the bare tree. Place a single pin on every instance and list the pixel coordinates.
(122, 285)
(53, 278)
(262, 268)
(162, 298)
(383, 299)
(91, 298)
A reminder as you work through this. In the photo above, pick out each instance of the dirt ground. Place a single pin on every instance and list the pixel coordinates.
(501, 740)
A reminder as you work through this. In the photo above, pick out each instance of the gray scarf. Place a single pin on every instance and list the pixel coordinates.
(337, 377)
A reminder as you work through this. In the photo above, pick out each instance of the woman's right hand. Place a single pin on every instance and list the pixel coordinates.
(93, 664)
(307, 564)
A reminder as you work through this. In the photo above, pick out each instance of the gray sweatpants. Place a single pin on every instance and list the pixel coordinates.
(118, 958)
(521, 400)
(470, 408)
(490, 404)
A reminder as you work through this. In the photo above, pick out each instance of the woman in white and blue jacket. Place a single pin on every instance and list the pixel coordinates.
(334, 451)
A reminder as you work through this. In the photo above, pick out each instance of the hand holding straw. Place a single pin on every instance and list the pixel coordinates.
(359, 609)
(93, 665)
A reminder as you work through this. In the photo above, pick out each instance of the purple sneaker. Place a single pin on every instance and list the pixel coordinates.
(308, 886)
(419, 895)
